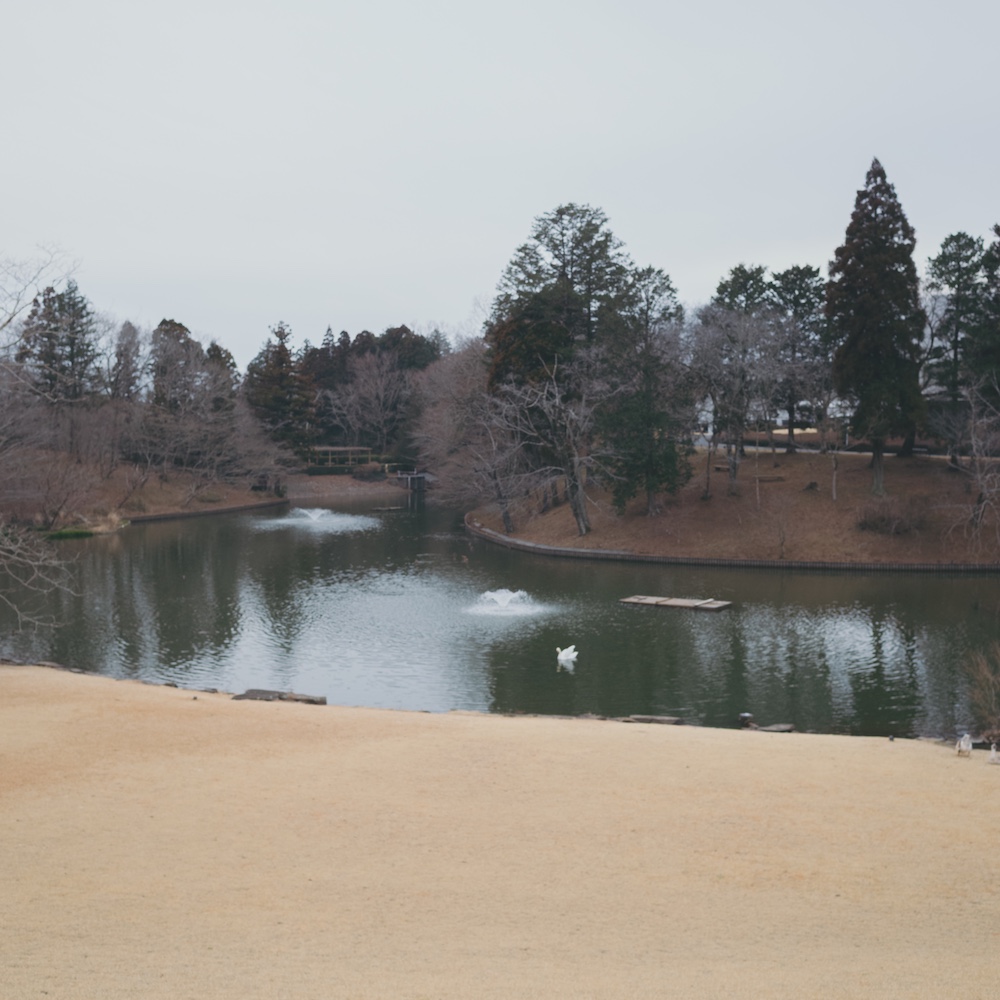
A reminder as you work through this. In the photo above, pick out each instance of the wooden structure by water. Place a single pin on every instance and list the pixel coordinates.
(337, 458)
(414, 481)
(691, 603)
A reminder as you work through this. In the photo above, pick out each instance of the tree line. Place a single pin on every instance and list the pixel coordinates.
(83, 399)
(79, 393)
(590, 371)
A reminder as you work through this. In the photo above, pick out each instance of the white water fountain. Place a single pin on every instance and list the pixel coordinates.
(322, 520)
(504, 602)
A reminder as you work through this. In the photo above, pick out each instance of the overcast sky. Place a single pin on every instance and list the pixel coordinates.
(362, 165)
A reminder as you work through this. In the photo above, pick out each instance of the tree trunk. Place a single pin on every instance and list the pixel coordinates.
(501, 498)
(878, 468)
(733, 463)
(906, 449)
(577, 499)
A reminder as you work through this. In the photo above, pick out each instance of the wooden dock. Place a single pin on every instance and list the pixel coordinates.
(691, 603)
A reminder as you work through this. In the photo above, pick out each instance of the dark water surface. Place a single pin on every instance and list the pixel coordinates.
(401, 609)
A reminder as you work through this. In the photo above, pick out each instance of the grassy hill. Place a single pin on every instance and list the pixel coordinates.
(785, 509)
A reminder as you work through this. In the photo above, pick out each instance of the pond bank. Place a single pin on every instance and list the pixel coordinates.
(224, 848)
(474, 527)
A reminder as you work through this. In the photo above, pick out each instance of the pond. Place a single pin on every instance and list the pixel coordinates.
(402, 609)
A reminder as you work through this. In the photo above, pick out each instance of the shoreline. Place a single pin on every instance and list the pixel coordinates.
(474, 527)
(640, 719)
(167, 844)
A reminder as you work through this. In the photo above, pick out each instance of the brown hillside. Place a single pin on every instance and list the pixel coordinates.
(785, 509)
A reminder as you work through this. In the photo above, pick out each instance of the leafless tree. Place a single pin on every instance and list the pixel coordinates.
(29, 570)
(734, 362)
(554, 418)
(465, 436)
(984, 458)
(28, 566)
(372, 406)
(20, 281)
(982, 671)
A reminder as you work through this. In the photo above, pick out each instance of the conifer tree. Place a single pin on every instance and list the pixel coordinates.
(956, 301)
(644, 423)
(983, 350)
(797, 295)
(873, 304)
(59, 344)
(280, 395)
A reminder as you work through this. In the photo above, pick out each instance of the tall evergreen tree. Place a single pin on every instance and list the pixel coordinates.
(983, 350)
(873, 305)
(744, 289)
(645, 423)
(574, 258)
(956, 285)
(797, 295)
(556, 304)
(59, 344)
(280, 395)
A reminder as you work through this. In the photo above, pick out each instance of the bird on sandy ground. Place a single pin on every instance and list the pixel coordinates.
(964, 746)
(994, 757)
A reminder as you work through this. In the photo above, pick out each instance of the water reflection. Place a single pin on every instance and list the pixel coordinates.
(404, 610)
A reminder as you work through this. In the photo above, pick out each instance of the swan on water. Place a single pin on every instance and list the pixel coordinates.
(567, 655)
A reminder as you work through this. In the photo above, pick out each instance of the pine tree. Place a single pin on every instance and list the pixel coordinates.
(956, 302)
(59, 344)
(645, 422)
(797, 297)
(744, 289)
(280, 395)
(983, 349)
(555, 292)
(873, 304)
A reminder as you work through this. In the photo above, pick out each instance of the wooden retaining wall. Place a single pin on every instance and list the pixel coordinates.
(487, 534)
(179, 514)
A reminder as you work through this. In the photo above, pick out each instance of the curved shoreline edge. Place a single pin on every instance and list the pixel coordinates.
(474, 527)
(177, 515)
(320, 701)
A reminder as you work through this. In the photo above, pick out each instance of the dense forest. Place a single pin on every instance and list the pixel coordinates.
(588, 373)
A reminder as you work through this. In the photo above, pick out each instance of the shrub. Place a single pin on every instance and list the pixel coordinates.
(982, 671)
(891, 516)
(63, 533)
(369, 472)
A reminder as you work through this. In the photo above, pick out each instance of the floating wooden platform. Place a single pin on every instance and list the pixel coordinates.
(692, 603)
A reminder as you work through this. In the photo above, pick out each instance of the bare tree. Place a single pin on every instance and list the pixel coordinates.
(982, 671)
(465, 436)
(376, 398)
(554, 418)
(20, 281)
(29, 567)
(733, 357)
(984, 458)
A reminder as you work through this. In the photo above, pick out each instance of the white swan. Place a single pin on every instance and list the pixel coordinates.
(964, 746)
(566, 657)
(994, 757)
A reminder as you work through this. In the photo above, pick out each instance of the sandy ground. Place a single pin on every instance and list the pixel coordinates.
(162, 843)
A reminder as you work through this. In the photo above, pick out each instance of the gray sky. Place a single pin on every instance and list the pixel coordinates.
(362, 165)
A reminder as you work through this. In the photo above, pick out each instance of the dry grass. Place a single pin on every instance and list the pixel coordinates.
(785, 509)
(104, 503)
